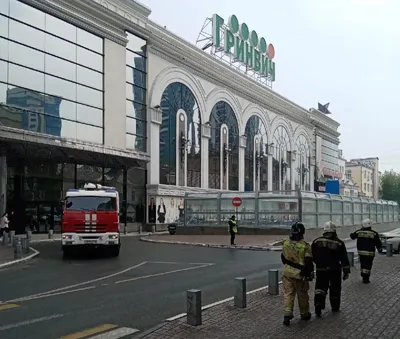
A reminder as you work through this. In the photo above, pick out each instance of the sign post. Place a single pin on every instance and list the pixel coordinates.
(237, 202)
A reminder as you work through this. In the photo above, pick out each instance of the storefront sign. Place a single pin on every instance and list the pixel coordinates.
(245, 46)
(331, 173)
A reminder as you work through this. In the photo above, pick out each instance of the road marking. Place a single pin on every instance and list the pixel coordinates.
(55, 294)
(163, 273)
(179, 262)
(30, 322)
(90, 331)
(8, 307)
(82, 283)
(118, 333)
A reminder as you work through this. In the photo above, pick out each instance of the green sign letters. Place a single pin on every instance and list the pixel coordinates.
(245, 46)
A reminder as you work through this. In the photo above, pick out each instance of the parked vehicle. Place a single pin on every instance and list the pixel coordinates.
(392, 237)
(91, 219)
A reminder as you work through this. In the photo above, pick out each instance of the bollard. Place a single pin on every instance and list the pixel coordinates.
(193, 306)
(153, 229)
(11, 237)
(5, 238)
(350, 256)
(51, 234)
(29, 234)
(18, 249)
(25, 245)
(240, 297)
(389, 250)
(273, 282)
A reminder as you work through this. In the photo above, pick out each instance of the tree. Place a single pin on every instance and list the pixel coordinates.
(390, 186)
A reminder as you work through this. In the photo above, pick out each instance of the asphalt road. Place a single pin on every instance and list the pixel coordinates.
(51, 298)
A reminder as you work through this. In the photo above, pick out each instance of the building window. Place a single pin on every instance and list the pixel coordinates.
(302, 174)
(177, 98)
(51, 75)
(223, 156)
(256, 154)
(365, 187)
(136, 85)
(280, 165)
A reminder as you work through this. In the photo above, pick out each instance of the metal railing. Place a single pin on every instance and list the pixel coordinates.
(281, 209)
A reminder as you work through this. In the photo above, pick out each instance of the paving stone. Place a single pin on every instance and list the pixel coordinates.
(367, 311)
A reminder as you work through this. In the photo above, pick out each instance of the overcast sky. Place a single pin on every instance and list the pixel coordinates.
(345, 52)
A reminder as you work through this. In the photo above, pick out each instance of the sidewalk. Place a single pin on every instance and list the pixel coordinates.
(368, 311)
(6, 254)
(220, 241)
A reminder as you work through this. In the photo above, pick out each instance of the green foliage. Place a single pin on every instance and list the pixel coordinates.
(390, 186)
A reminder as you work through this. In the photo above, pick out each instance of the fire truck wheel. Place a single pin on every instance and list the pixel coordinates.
(114, 251)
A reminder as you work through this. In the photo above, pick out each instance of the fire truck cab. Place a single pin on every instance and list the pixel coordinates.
(91, 219)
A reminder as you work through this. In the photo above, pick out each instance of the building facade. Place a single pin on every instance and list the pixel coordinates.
(372, 163)
(95, 91)
(362, 176)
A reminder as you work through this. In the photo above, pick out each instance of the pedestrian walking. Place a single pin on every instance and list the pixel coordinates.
(232, 229)
(3, 224)
(367, 241)
(330, 258)
(298, 272)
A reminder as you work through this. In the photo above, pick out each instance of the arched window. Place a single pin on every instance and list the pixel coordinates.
(179, 97)
(280, 165)
(256, 134)
(222, 113)
(302, 169)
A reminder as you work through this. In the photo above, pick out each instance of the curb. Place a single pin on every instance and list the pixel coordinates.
(237, 247)
(14, 262)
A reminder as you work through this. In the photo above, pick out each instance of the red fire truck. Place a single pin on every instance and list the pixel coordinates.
(91, 219)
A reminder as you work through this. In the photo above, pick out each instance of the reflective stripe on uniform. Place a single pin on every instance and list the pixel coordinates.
(363, 270)
(366, 234)
(318, 291)
(329, 243)
(367, 253)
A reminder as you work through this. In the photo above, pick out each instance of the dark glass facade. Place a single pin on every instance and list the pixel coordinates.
(179, 97)
(255, 130)
(302, 164)
(51, 75)
(35, 190)
(136, 85)
(222, 113)
(280, 164)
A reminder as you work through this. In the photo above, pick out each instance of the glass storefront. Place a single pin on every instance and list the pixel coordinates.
(35, 191)
(51, 75)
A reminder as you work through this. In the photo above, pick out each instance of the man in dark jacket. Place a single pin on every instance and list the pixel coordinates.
(330, 258)
(367, 241)
(232, 229)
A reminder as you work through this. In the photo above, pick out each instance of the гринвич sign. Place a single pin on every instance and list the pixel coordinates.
(245, 46)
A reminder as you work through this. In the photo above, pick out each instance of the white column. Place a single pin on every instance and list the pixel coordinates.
(270, 160)
(115, 95)
(292, 170)
(242, 150)
(205, 137)
(3, 184)
(312, 173)
(153, 145)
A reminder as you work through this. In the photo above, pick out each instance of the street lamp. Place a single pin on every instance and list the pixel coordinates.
(227, 151)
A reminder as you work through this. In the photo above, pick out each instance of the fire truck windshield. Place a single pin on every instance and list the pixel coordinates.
(90, 203)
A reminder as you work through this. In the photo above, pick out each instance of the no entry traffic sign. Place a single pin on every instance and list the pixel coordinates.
(236, 201)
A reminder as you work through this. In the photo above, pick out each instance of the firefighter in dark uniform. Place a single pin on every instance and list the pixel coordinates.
(330, 258)
(298, 271)
(232, 229)
(367, 241)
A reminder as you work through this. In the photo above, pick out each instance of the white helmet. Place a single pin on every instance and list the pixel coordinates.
(366, 223)
(329, 226)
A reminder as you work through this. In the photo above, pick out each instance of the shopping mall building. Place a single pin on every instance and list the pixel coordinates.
(95, 91)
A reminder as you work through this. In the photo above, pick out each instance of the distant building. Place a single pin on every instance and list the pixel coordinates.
(361, 175)
(373, 164)
(347, 186)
